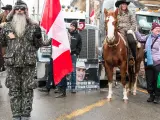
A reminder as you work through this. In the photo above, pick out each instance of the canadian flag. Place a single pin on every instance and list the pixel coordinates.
(53, 22)
(92, 16)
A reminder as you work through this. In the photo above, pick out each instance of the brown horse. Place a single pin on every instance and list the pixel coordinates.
(115, 54)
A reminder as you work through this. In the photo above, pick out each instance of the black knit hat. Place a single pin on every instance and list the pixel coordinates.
(20, 3)
(74, 23)
(119, 2)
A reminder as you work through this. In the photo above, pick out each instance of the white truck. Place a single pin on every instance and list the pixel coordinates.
(90, 38)
(145, 17)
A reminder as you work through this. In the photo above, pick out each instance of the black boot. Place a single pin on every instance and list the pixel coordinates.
(45, 89)
(3, 68)
(157, 100)
(62, 93)
(57, 90)
(73, 91)
(132, 45)
(151, 98)
(0, 85)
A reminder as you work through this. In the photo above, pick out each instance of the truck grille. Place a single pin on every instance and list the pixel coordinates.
(88, 43)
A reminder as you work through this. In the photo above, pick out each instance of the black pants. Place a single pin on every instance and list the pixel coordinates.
(50, 75)
(132, 44)
(151, 77)
(63, 83)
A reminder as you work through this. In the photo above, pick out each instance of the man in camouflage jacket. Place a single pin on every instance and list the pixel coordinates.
(22, 38)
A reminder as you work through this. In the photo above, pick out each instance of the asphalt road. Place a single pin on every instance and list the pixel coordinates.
(85, 105)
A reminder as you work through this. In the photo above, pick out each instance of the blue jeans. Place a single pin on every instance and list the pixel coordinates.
(73, 74)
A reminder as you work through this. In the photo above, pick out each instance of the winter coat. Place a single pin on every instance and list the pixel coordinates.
(21, 51)
(76, 42)
(126, 21)
(155, 49)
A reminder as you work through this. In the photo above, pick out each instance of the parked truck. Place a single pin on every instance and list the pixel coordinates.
(145, 17)
(88, 54)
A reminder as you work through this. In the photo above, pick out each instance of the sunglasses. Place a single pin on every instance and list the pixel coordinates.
(20, 8)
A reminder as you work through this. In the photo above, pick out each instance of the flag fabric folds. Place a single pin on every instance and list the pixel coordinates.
(54, 25)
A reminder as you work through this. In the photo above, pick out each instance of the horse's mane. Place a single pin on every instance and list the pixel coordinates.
(116, 12)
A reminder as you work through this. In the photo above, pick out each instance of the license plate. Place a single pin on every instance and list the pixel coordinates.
(45, 50)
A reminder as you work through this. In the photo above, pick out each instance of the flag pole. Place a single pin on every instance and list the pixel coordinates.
(38, 10)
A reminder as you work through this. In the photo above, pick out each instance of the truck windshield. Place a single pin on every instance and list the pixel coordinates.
(145, 22)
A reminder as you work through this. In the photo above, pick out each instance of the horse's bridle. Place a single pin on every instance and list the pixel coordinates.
(114, 45)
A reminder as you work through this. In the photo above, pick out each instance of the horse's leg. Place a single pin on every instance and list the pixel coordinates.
(130, 80)
(135, 84)
(123, 69)
(136, 77)
(109, 72)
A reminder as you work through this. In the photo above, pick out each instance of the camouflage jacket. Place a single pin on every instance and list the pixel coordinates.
(126, 21)
(21, 51)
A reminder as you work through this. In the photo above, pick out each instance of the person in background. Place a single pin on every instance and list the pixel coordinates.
(152, 61)
(3, 16)
(49, 66)
(76, 45)
(62, 86)
(22, 38)
(50, 80)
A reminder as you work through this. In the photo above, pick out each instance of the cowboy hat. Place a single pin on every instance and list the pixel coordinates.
(7, 7)
(119, 2)
(80, 64)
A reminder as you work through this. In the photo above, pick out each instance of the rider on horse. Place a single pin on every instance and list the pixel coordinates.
(126, 24)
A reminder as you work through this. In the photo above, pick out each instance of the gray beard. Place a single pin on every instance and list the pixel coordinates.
(19, 23)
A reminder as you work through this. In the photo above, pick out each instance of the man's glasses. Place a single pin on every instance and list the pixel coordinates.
(19, 8)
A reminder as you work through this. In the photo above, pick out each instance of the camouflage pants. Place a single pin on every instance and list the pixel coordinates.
(21, 83)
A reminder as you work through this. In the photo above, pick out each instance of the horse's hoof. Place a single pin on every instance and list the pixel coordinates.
(134, 93)
(125, 100)
(109, 99)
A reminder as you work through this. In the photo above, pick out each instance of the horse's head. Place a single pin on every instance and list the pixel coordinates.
(110, 25)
